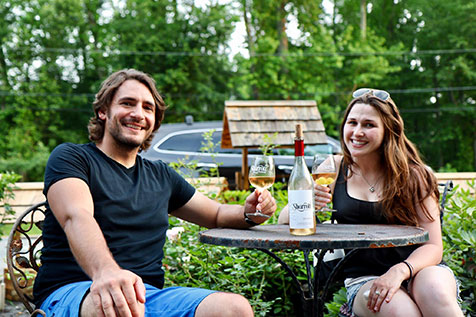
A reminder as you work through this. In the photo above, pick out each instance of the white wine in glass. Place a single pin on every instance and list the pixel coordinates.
(262, 182)
(261, 176)
(324, 173)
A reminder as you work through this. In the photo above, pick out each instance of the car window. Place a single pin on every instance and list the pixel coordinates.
(309, 150)
(312, 150)
(193, 142)
(190, 142)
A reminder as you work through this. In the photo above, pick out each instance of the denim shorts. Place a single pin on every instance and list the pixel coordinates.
(171, 301)
(353, 286)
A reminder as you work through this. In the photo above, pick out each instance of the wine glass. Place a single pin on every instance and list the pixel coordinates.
(324, 173)
(261, 176)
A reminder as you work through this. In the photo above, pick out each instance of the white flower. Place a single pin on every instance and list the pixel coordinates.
(174, 233)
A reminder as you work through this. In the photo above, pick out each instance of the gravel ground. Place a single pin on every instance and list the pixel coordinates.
(14, 309)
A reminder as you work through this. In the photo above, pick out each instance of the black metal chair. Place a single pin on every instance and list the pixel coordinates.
(23, 254)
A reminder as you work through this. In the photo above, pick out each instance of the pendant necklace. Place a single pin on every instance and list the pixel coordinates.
(372, 187)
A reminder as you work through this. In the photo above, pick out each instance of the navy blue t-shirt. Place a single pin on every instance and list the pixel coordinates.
(131, 206)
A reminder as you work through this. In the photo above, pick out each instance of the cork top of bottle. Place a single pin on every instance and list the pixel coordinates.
(299, 134)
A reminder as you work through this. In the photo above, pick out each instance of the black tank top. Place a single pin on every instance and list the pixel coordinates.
(355, 211)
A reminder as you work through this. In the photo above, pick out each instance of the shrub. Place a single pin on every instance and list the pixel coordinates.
(7, 185)
(31, 168)
(459, 239)
(251, 273)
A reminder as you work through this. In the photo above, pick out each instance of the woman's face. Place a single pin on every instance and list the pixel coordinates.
(363, 131)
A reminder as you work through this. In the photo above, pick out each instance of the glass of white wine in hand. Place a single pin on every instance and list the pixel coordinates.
(324, 173)
(262, 177)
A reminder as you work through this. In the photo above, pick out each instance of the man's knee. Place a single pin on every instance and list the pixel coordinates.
(88, 308)
(224, 304)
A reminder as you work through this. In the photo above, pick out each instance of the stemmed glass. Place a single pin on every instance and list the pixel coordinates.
(261, 176)
(324, 173)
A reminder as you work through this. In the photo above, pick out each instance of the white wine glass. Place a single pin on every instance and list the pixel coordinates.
(324, 173)
(261, 176)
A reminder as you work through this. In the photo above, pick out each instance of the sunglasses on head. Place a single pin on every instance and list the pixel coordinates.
(380, 94)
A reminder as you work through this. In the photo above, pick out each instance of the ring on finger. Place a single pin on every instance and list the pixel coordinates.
(377, 292)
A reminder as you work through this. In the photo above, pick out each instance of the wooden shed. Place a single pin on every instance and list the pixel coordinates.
(245, 123)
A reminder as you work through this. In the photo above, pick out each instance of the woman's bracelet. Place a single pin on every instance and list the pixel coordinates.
(410, 267)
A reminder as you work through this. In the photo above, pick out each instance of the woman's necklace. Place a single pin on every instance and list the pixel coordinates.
(372, 187)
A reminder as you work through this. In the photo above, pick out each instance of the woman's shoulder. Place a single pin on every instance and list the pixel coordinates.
(424, 179)
(422, 172)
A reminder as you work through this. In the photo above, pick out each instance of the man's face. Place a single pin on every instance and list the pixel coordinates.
(131, 117)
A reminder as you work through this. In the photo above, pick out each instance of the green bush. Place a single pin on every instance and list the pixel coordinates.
(31, 168)
(459, 239)
(251, 273)
(7, 185)
(248, 272)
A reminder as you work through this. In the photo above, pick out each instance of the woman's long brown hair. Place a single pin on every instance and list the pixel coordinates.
(407, 180)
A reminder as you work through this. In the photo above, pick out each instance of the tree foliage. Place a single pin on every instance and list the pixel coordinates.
(55, 53)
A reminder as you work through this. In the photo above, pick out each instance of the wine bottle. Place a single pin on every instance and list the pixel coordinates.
(302, 220)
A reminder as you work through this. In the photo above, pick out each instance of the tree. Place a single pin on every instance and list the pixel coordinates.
(185, 46)
(54, 54)
(440, 117)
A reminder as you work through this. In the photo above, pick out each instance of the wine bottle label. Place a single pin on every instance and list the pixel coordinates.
(301, 209)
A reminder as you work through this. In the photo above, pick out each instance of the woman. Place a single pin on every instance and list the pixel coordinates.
(382, 179)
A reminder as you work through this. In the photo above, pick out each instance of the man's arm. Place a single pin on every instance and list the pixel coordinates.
(211, 214)
(113, 288)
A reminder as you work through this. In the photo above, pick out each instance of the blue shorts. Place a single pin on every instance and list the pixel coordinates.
(171, 301)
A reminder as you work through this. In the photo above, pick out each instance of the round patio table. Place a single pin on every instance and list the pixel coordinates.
(351, 237)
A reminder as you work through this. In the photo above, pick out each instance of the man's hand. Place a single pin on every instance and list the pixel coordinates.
(262, 201)
(117, 292)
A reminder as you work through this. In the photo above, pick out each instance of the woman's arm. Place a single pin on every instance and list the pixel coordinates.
(428, 254)
(434, 246)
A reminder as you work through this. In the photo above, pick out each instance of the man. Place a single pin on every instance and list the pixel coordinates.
(108, 214)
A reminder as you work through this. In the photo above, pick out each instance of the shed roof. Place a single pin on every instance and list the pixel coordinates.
(245, 122)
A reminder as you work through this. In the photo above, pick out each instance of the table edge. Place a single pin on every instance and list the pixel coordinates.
(301, 243)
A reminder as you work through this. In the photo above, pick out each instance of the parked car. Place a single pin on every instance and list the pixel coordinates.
(184, 141)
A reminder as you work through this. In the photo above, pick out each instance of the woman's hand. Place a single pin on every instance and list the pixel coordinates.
(384, 287)
(322, 196)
